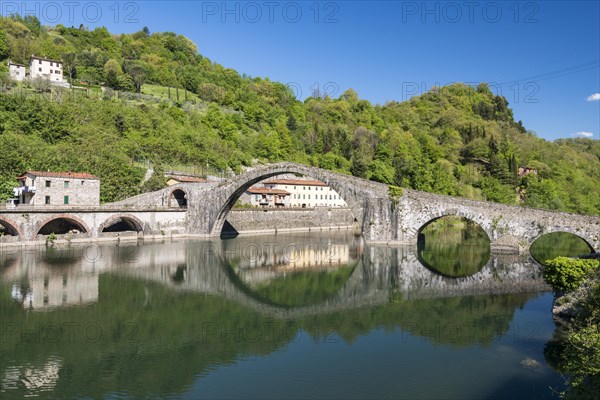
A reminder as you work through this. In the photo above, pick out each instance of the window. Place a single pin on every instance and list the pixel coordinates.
(47, 199)
(294, 187)
(51, 72)
(66, 185)
(82, 182)
(309, 196)
(66, 200)
(48, 183)
(303, 196)
(51, 64)
(40, 69)
(39, 62)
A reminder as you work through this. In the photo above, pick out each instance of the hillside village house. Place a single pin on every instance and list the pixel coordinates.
(175, 179)
(307, 193)
(301, 193)
(17, 72)
(37, 188)
(46, 68)
(264, 197)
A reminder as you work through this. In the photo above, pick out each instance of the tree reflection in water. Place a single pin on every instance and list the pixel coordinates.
(454, 247)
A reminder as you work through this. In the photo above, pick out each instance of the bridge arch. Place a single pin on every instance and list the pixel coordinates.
(356, 192)
(429, 218)
(122, 222)
(177, 198)
(574, 232)
(10, 227)
(60, 224)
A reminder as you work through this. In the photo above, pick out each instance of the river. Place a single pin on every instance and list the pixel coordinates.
(314, 315)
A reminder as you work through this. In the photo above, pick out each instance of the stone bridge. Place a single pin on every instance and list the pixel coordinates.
(201, 209)
(84, 223)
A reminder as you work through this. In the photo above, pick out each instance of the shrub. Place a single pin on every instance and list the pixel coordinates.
(565, 273)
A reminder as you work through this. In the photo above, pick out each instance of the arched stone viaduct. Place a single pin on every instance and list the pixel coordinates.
(201, 209)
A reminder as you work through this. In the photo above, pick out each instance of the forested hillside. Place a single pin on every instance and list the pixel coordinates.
(455, 140)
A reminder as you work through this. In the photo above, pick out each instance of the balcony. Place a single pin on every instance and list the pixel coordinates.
(18, 191)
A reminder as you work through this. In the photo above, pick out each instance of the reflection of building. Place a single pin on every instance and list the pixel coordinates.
(38, 188)
(292, 256)
(57, 291)
(258, 268)
(304, 193)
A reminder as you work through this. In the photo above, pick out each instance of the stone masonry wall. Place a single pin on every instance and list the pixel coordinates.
(271, 220)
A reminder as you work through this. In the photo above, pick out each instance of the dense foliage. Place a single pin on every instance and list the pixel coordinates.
(575, 348)
(565, 273)
(456, 140)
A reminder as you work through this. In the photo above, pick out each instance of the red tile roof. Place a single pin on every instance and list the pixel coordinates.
(255, 190)
(298, 182)
(188, 179)
(71, 175)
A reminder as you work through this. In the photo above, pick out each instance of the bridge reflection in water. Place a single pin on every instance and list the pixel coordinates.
(177, 309)
(68, 275)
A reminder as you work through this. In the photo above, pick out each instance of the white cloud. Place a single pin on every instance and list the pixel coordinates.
(594, 97)
(584, 134)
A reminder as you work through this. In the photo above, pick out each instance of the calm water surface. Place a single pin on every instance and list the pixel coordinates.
(286, 316)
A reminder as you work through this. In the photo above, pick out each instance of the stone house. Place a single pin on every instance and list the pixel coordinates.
(37, 188)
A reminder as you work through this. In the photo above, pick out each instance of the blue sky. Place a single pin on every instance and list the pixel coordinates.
(389, 50)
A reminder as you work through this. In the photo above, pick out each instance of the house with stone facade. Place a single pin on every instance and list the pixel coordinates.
(41, 189)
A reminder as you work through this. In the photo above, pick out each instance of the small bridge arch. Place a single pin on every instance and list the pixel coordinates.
(563, 229)
(431, 217)
(10, 227)
(60, 224)
(121, 223)
(178, 198)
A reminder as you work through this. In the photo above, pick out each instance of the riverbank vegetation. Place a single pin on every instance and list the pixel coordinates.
(575, 348)
(165, 103)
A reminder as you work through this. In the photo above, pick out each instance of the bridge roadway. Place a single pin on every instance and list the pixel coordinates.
(201, 209)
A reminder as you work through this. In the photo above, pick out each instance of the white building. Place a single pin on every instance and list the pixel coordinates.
(306, 193)
(17, 72)
(37, 188)
(46, 68)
